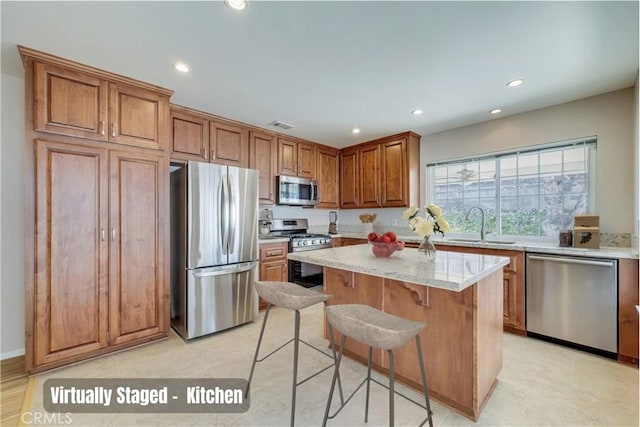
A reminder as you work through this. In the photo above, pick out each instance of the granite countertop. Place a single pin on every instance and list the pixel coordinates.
(454, 271)
(540, 247)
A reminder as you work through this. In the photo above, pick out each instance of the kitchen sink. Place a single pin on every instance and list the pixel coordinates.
(498, 242)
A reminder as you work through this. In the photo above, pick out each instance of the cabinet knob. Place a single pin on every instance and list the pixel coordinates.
(113, 129)
(103, 234)
(102, 129)
(113, 234)
(204, 152)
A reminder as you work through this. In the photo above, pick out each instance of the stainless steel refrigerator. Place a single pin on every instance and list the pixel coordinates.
(214, 248)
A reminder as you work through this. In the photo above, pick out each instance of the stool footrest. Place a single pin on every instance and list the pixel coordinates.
(387, 387)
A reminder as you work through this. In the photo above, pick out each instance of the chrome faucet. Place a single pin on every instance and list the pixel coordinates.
(482, 233)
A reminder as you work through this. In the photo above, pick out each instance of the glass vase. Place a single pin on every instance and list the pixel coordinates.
(427, 249)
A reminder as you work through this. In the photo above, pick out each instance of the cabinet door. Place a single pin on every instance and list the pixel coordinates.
(349, 177)
(71, 250)
(369, 168)
(306, 160)
(137, 116)
(287, 157)
(138, 289)
(328, 176)
(262, 156)
(393, 172)
(229, 144)
(70, 103)
(190, 137)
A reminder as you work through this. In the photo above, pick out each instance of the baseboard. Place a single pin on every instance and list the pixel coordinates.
(10, 354)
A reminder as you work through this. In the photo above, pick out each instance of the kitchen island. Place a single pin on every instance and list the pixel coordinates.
(459, 297)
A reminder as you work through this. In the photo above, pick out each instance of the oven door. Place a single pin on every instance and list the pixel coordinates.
(296, 191)
(305, 274)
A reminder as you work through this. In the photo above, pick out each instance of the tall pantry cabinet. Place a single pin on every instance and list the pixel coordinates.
(97, 194)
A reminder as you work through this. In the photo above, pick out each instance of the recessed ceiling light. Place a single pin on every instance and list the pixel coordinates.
(495, 111)
(416, 112)
(182, 67)
(236, 4)
(355, 130)
(516, 82)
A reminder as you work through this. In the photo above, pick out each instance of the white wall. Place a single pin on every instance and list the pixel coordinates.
(609, 116)
(12, 218)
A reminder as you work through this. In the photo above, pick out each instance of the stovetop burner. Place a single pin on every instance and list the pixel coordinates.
(310, 236)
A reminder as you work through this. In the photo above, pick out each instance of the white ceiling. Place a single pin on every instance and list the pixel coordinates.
(326, 67)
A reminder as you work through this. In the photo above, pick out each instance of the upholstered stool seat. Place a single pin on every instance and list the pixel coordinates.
(292, 297)
(372, 327)
(378, 329)
(289, 295)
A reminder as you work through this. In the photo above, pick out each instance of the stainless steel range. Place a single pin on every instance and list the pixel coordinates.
(302, 273)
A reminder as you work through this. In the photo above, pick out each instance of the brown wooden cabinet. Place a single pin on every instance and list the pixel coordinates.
(627, 313)
(71, 99)
(513, 285)
(100, 250)
(273, 264)
(229, 144)
(70, 295)
(381, 173)
(296, 158)
(262, 156)
(349, 178)
(97, 204)
(349, 241)
(328, 177)
(138, 295)
(369, 175)
(190, 137)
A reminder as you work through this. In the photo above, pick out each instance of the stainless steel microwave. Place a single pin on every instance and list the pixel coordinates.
(296, 191)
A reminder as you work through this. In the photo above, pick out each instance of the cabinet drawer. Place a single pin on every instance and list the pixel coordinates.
(273, 251)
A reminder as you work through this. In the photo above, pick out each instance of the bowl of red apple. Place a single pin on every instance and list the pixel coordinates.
(384, 245)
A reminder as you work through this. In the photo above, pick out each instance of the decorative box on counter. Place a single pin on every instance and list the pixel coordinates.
(586, 231)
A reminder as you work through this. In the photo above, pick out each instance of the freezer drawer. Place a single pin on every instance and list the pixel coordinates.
(215, 299)
(573, 299)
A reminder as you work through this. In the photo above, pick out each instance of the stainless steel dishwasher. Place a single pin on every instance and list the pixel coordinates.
(573, 300)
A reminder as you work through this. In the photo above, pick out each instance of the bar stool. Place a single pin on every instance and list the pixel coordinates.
(375, 329)
(293, 297)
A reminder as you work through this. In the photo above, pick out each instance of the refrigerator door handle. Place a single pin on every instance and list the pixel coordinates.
(224, 272)
(232, 216)
(224, 217)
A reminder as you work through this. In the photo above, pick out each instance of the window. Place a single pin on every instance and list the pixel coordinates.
(532, 192)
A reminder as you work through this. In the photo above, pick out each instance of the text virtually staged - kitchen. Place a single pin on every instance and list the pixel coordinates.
(305, 213)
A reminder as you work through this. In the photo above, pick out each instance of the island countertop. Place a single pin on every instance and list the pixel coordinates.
(452, 271)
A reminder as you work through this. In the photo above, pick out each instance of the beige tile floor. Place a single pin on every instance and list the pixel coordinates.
(541, 384)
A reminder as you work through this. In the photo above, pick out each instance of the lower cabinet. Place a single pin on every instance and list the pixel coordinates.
(349, 241)
(273, 264)
(100, 252)
(513, 276)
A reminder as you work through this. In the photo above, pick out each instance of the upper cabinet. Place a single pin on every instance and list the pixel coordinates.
(349, 178)
(381, 173)
(229, 144)
(262, 156)
(296, 158)
(190, 135)
(206, 138)
(328, 177)
(75, 100)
